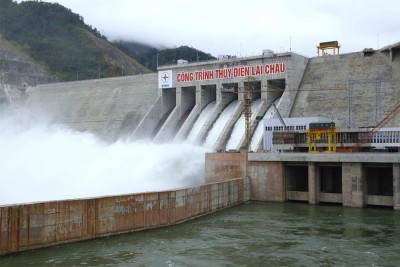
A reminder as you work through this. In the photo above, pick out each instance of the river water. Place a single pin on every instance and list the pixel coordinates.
(251, 234)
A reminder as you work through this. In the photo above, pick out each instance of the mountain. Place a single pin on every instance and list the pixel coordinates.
(151, 57)
(17, 68)
(59, 39)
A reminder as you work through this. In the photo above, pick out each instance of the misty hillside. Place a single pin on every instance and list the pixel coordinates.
(17, 68)
(59, 40)
(148, 55)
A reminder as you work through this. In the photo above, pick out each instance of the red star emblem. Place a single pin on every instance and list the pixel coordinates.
(165, 77)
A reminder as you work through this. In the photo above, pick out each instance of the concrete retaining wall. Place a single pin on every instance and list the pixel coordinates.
(351, 89)
(267, 181)
(36, 225)
(266, 178)
(220, 166)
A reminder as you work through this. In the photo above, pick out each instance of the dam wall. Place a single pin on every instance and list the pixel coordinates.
(36, 225)
(111, 108)
(225, 80)
(353, 90)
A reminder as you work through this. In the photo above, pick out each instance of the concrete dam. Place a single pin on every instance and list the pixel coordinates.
(353, 90)
(356, 91)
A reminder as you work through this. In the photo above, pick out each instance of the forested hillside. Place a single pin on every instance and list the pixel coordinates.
(60, 40)
(151, 56)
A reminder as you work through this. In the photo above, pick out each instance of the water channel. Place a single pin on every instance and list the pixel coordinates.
(252, 234)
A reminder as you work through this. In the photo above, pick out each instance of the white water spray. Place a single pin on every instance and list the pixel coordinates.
(41, 162)
(238, 133)
(204, 115)
(219, 125)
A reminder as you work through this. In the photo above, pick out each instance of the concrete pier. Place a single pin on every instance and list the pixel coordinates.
(396, 186)
(353, 185)
(313, 187)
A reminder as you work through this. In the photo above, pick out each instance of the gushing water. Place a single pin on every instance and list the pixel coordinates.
(218, 126)
(42, 162)
(198, 125)
(238, 133)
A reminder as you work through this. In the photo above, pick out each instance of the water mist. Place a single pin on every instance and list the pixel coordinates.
(43, 162)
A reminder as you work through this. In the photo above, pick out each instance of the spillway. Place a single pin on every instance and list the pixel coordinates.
(204, 116)
(238, 133)
(218, 126)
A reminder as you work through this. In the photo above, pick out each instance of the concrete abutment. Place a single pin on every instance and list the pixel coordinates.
(319, 178)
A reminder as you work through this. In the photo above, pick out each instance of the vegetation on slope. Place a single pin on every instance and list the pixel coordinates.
(152, 57)
(59, 39)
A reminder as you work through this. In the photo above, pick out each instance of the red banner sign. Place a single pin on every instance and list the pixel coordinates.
(234, 72)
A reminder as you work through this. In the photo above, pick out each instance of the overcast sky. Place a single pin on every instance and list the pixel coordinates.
(246, 27)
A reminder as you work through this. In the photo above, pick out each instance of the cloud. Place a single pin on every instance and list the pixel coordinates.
(244, 27)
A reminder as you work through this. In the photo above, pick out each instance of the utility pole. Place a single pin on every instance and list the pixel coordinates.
(247, 117)
(247, 114)
(247, 102)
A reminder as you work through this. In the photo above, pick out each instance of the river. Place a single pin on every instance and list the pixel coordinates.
(251, 234)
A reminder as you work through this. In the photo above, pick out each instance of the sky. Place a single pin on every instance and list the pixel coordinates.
(245, 28)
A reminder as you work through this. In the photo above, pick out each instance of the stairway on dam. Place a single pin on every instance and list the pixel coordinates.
(354, 90)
